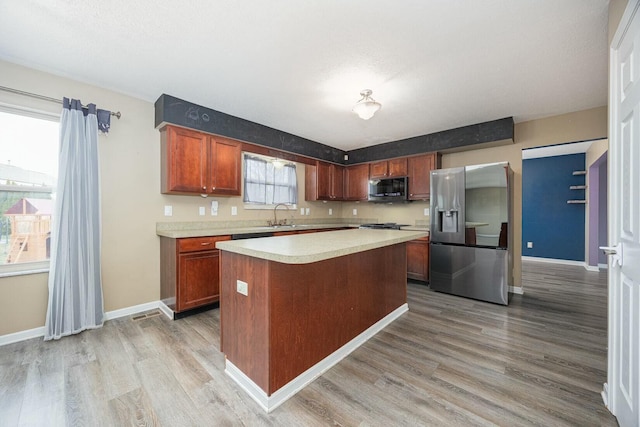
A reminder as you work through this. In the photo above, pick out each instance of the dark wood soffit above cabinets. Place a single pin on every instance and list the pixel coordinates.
(172, 110)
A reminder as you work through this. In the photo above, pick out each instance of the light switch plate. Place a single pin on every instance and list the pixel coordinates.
(242, 287)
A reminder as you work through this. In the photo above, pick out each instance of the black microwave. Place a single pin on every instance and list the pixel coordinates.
(388, 190)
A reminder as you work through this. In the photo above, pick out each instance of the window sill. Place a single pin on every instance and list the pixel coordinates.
(255, 206)
(10, 270)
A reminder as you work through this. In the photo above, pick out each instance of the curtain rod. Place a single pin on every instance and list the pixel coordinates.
(45, 98)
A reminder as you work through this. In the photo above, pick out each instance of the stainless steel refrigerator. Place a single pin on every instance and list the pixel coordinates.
(471, 232)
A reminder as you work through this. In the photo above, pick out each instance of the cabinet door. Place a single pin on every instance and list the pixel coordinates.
(356, 182)
(397, 167)
(418, 259)
(419, 169)
(378, 169)
(226, 169)
(324, 181)
(184, 161)
(337, 182)
(198, 281)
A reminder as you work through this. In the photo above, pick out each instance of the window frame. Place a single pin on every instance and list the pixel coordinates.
(31, 267)
(265, 206)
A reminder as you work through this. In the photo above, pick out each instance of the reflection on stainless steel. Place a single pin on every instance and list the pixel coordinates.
(471, 272)
(471, 239)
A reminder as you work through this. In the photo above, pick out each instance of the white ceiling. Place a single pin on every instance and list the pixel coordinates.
(299, 66)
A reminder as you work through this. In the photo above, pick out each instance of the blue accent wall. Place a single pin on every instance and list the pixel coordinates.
(555, 227)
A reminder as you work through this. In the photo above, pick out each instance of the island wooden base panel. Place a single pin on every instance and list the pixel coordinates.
(541, 361)
(269, 403)
(295, 315)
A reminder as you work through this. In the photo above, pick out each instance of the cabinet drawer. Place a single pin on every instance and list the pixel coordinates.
(193, 244)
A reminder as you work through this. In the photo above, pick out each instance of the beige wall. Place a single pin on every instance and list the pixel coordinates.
(616, 9)
(132, 203)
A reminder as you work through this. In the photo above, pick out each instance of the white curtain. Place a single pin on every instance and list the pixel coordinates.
(75, 287)
(266, 184)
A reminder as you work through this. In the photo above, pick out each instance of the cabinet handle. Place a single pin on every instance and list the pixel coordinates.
(205, 243)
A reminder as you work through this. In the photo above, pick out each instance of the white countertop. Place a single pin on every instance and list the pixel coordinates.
(314, 247)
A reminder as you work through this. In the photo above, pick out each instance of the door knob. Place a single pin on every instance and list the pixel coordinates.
(615, 252)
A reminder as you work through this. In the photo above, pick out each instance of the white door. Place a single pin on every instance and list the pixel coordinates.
(622, 393)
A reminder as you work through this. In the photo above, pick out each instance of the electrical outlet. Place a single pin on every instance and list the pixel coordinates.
(355, 212)
(242, 287)
(201, 210)
(168, 211)
(234, 210)
(529, 245)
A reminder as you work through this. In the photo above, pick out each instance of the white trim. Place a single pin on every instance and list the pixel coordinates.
(554, 261)
(269, 403)
(22, 336)
(110, 315)
(166, 310)
(518, 290)
(605, 395)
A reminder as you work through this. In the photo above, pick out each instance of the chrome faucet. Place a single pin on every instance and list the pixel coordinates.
(275, 221)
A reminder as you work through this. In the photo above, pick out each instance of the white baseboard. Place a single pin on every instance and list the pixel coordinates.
(269, 403)
(605, 395)
(22, 336)
(166, 310)
(518, 290)
(555, 261)
(109, 315)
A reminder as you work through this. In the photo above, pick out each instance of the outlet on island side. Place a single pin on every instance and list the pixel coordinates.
(242, 287)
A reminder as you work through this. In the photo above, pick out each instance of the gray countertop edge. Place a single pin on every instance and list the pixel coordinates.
(309, 248)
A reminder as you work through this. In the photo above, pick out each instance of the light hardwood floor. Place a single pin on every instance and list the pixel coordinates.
(448, 361)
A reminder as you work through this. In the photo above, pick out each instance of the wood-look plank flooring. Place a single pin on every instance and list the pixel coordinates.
(541, 361)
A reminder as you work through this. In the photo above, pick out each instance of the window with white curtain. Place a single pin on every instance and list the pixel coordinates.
(266, 183)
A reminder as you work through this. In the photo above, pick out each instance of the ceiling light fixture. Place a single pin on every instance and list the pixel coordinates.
(367, 106)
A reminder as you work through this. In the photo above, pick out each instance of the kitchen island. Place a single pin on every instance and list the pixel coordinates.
(293, 306)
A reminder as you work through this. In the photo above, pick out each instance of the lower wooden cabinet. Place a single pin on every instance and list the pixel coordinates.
(190, 272)
(418, 259)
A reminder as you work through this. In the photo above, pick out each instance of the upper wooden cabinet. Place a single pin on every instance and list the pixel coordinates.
(324, 181)
(388, 168)
(356, 179)
(419, 173)
(198, 163)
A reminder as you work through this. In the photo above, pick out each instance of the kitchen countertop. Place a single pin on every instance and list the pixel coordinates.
(308, 248)
(223, 231)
